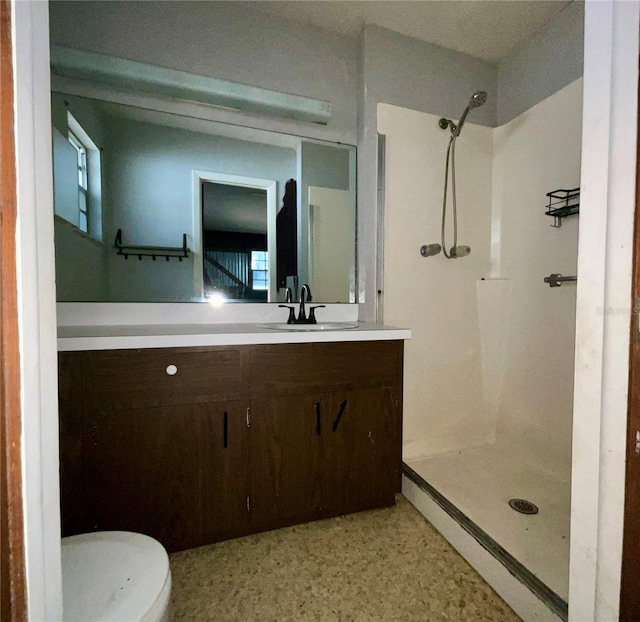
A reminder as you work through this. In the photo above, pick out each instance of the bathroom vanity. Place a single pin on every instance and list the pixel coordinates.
(198, 444)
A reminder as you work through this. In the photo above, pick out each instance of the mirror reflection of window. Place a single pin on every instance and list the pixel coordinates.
(77, 178)
(81, 157)
(82, 270)
(260, 270)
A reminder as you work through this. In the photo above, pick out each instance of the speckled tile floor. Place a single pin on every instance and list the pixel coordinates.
(387, 564)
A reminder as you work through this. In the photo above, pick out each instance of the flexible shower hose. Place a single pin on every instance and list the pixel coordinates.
(451, 154)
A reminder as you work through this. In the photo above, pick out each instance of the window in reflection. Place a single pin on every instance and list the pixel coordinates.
(259, 270)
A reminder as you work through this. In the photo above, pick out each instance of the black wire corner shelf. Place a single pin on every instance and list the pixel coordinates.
(166, 252)
(562, 203)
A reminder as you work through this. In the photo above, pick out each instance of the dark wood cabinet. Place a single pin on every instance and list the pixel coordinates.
(197, 445)
(177, 473)
(361, 449)
(323, 454)
(286, 460)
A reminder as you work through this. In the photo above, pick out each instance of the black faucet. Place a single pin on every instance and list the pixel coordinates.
(305, 296)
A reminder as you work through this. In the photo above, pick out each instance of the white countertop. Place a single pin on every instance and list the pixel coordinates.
(74, 338)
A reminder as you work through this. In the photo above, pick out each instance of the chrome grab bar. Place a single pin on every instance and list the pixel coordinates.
(556, 280)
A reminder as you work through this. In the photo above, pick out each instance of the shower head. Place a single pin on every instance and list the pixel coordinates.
(477, 99)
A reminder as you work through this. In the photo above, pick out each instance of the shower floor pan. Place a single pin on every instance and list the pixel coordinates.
(474, 487)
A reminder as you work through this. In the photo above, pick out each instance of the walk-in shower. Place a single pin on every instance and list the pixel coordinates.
(488, 372)
(427, 250)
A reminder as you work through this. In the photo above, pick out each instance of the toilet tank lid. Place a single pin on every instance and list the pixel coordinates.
(112, 575)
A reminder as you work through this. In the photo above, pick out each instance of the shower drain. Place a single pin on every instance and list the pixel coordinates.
(523, 506)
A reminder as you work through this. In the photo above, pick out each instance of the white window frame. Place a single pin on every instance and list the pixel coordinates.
(83, 185)
(254, 270)
(89, 188)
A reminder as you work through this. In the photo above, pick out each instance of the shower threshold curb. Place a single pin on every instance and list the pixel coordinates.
(543, 592)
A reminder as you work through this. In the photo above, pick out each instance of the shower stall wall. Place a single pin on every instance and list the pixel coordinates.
(443, 404)
(488, 372)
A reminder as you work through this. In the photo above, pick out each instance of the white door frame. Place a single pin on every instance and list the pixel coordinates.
(603, 313)
(37, 310)
(245, 182)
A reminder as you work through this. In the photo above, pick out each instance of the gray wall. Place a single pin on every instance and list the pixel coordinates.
(543, 65)
(81, 266)
(406, 72)
(226, 41)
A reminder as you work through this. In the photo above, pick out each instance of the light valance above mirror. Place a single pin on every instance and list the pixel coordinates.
(121, 73)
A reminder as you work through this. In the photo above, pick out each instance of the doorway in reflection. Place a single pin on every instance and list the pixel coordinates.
(235, 255)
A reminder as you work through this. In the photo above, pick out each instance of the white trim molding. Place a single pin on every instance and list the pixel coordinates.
(603, 310)
(37, 310)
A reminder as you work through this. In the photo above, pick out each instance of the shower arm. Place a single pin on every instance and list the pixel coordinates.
(455, 128)
(447, 123)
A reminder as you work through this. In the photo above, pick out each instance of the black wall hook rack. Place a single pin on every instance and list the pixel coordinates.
(179, 252)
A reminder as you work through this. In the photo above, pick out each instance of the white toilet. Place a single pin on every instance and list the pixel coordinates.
(111, 576)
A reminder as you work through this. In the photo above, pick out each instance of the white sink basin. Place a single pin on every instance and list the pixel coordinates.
(309, 327)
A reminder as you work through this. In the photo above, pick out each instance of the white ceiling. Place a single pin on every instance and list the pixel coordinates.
(487, 29)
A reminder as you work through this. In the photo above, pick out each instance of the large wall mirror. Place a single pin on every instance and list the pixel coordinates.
(257, 211)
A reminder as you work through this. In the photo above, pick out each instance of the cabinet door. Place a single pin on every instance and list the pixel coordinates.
(361, 450)
(176, 473)
(286, 465)
(74, 510)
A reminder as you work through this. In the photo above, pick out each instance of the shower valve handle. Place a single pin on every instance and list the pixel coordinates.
(460, 251)
(428, 250)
